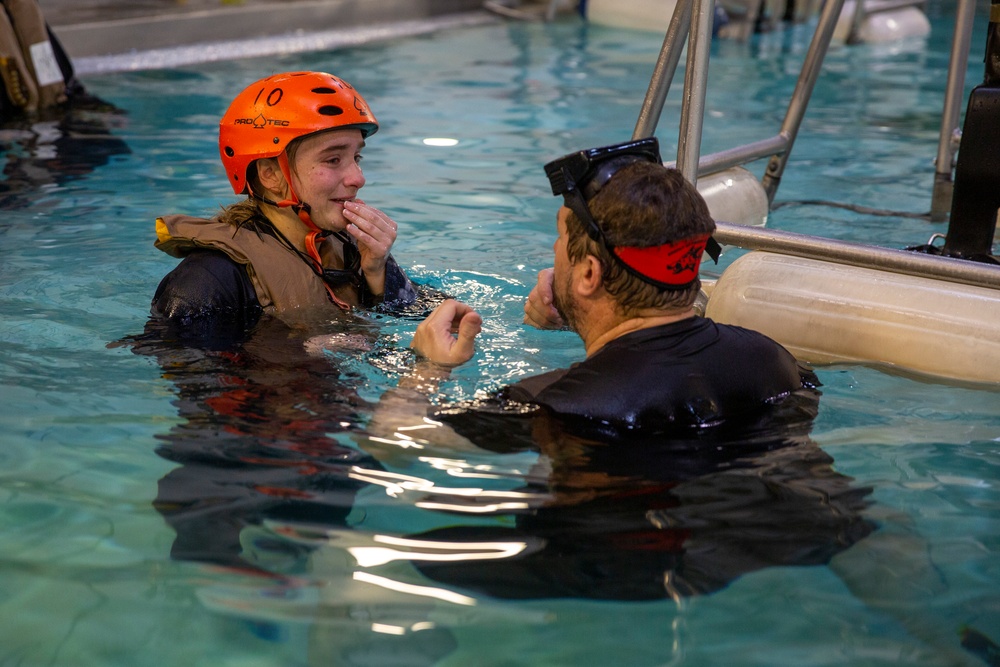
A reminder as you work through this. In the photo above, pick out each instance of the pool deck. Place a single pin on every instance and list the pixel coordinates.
(110, 35)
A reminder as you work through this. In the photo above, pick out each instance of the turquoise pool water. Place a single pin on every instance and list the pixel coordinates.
(121, 474)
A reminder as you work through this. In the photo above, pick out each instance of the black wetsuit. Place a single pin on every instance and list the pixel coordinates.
(689, 373)
(666, 510)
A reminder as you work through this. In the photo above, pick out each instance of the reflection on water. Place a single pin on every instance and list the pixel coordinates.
(285, 471)
(647, 532)
(649, 517)
(56, 146)
(258, 438)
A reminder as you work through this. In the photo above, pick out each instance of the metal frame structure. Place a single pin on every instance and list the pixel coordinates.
(950, 133)
(694, 17)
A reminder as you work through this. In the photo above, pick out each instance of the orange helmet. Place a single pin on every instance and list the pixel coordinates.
(270, 113)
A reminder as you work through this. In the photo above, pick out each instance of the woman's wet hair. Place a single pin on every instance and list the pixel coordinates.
(244, 211)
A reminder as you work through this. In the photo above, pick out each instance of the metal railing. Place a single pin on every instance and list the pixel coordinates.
(698, 23)
(944, 165)
(693, 17)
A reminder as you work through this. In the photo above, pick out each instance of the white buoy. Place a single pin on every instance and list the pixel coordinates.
(735, 195)
(881, 26)
(877, 26)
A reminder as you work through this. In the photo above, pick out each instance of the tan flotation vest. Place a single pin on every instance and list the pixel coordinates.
(286, 287)
(28, 65)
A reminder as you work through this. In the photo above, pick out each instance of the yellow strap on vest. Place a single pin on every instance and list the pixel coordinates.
(163, 234)
(17, 80)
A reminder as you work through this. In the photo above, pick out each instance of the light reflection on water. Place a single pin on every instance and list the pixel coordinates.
(210, 503)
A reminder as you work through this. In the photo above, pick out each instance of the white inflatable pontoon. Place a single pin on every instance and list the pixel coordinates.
(830, 311)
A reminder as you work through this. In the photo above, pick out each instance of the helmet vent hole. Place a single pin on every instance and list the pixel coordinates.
(321, 90)
(230, 152)
(330, 110)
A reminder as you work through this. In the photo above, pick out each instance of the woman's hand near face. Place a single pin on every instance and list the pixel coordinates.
(375, 233)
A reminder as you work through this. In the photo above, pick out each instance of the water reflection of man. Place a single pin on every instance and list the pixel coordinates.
(638, 516)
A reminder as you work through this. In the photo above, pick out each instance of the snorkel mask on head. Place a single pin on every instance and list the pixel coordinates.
(579, 176)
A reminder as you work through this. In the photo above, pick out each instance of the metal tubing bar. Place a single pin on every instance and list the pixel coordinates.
(710, 164)
(857, 19)
(855, 254)
(803, 91)
(664, 70)
(695, 83)
(953, 98)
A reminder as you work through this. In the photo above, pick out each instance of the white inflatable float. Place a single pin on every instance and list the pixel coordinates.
(880, 22)
(828, 312)
(832, 302)
(647, 15)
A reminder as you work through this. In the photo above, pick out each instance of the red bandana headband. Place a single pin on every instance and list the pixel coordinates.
(675, 264)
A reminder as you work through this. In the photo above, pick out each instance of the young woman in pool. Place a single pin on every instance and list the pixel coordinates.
(301, 246)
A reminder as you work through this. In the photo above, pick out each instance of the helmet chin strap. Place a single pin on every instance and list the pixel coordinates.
(301, 208)
(314, 234)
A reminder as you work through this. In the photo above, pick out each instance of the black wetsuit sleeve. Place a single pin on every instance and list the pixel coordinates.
(399, 291)
(207, 296)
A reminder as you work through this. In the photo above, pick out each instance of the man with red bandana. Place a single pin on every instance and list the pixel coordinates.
(625, 279)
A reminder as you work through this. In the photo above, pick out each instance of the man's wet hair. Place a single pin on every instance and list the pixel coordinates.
(644, 204)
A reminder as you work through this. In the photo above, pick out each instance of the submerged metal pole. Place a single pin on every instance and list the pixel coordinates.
(695, 83)
(664, 70)
(856, 254)
(803, 91)
(944, 165)
(857, 19)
